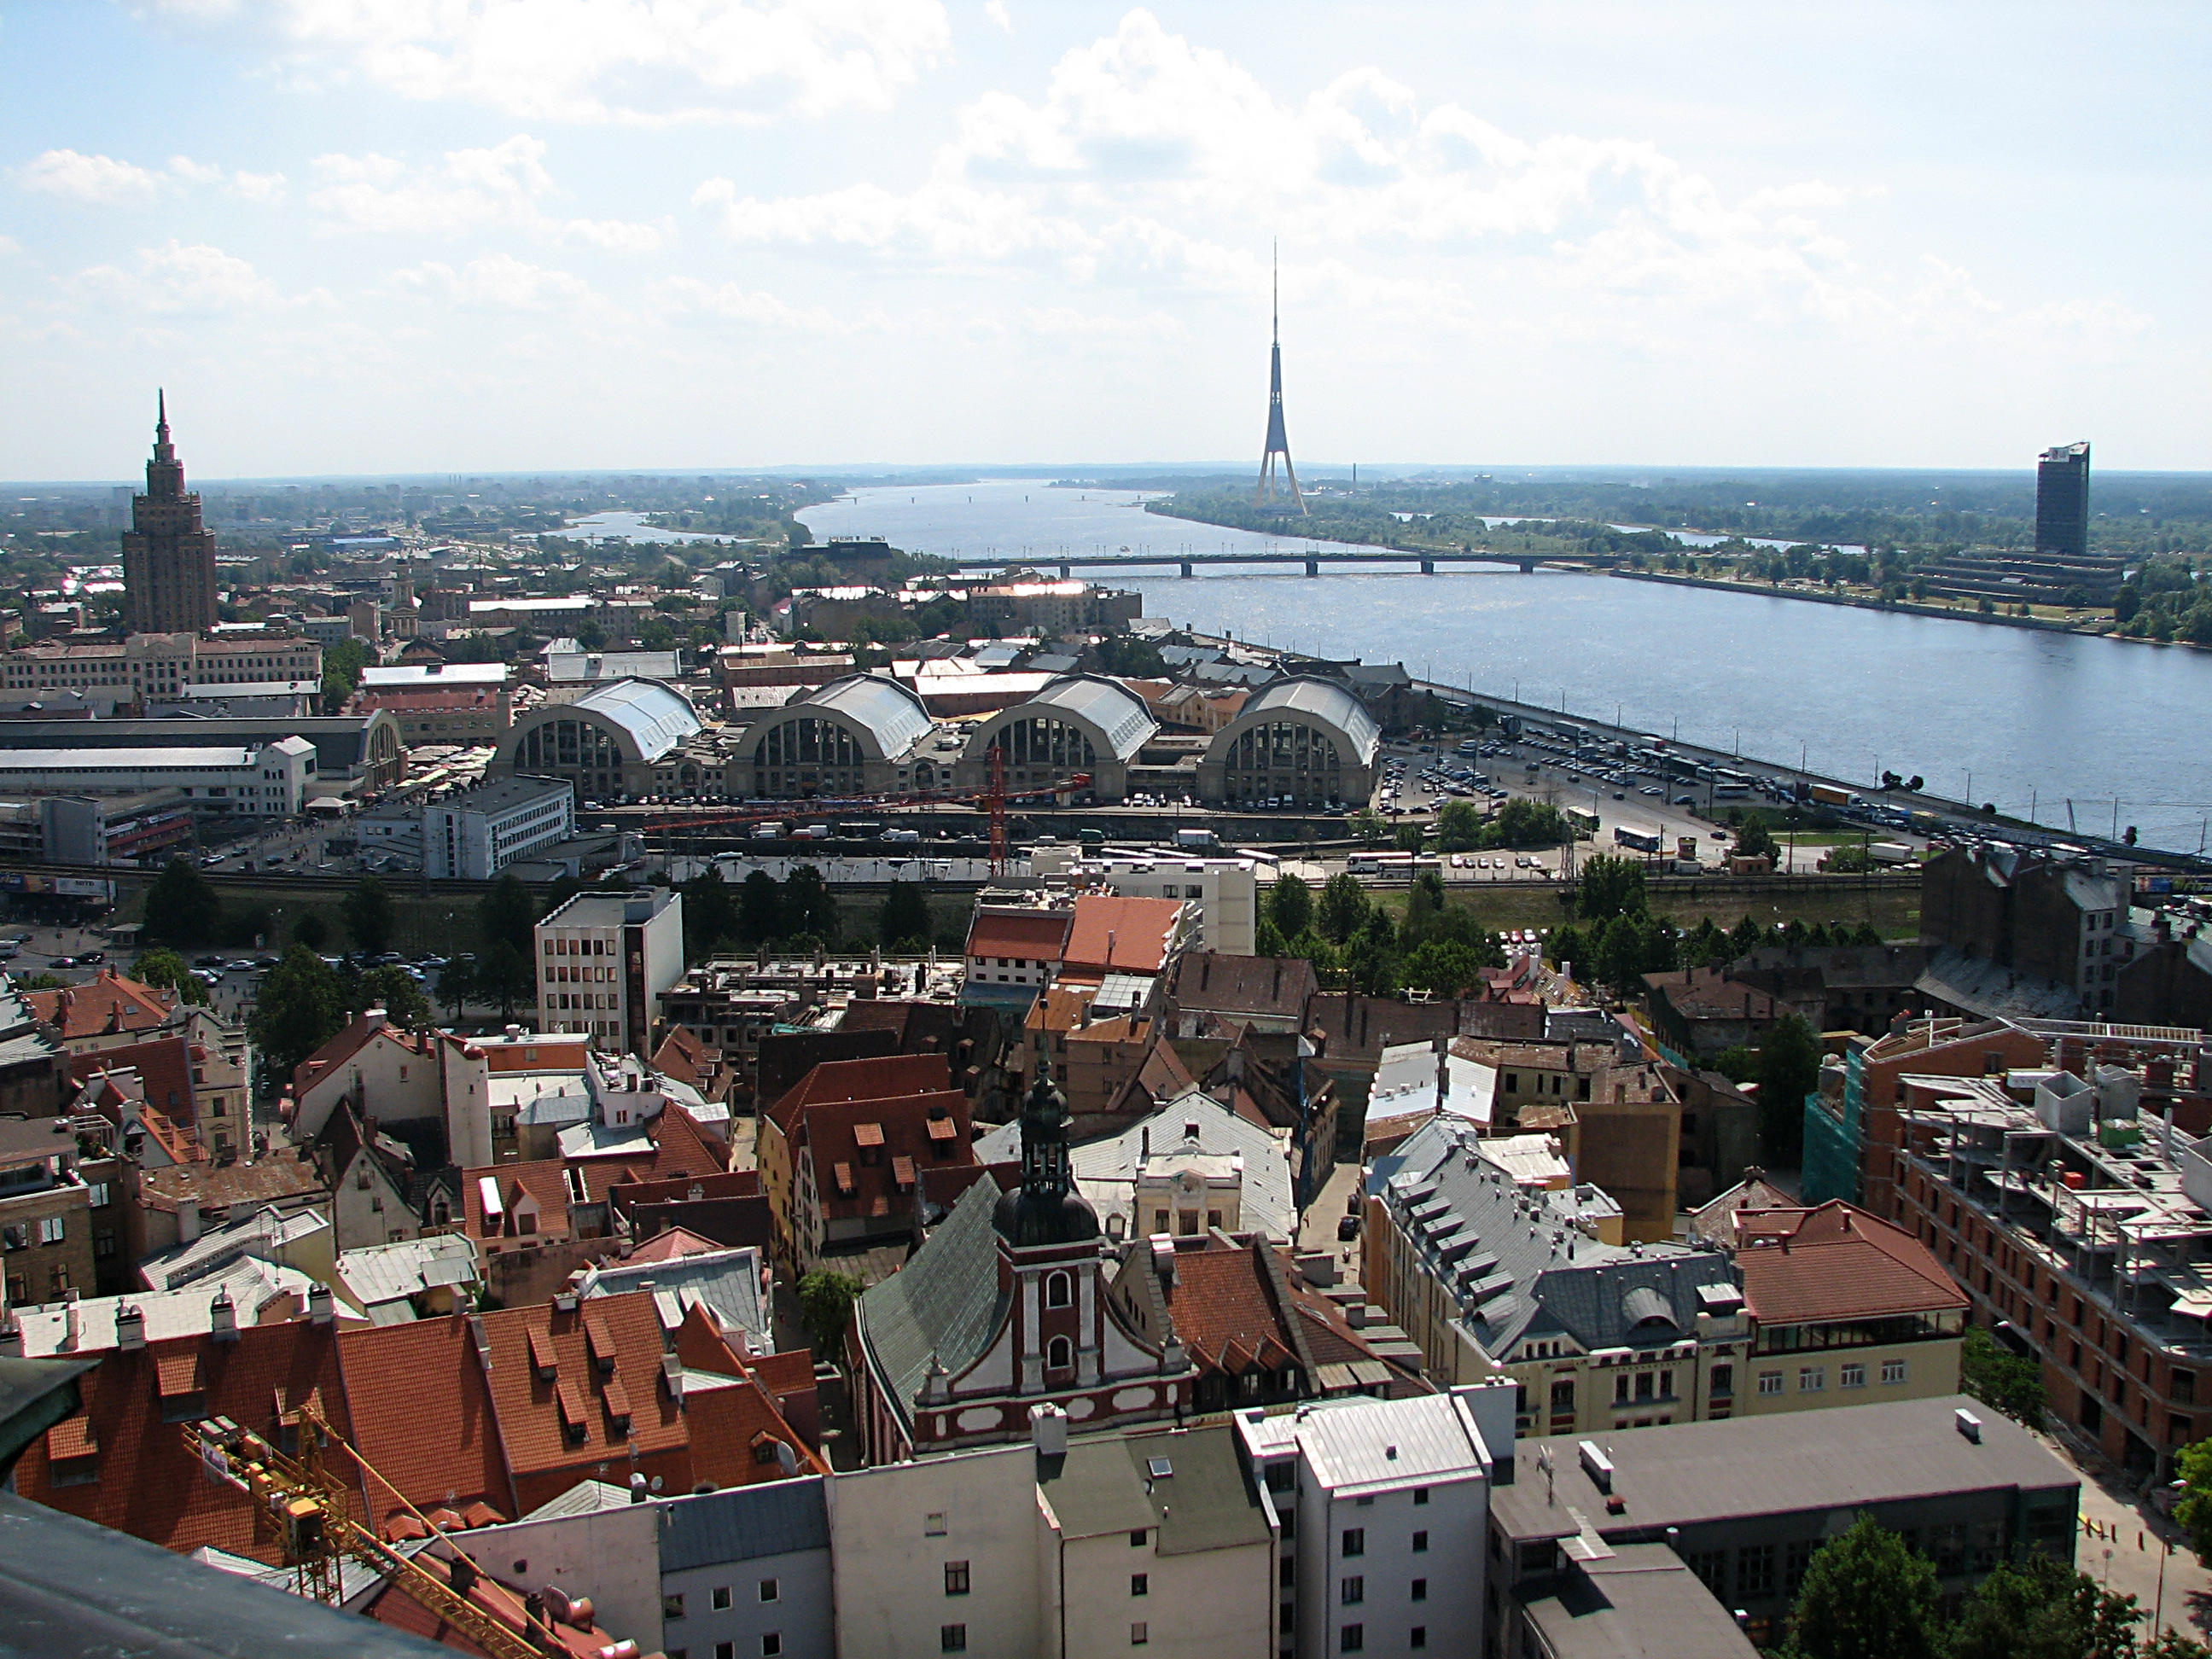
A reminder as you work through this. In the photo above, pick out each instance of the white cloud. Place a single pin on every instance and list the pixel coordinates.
(1149, 160)
(104, 181)
(179, 279)
(682, 298)
(500, 281)
(996, 11)
(473, 190)
(646, 62)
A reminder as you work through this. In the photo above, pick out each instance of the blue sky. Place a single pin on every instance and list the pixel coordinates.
(455, 236)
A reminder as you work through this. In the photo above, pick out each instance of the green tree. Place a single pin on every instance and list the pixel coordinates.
(301, 1006)
(1609, 887)
(710, 915)
(506, 977)
(1343, 906)
(1407, 837)
(825, 1306)
(1370, 829)
(457, 984)
(168, 970)
(311, 930)
(1788, 1070)
(1756, 839)
(904, 925)
(1444, 967)
(369, 915)
(1867, 1596)
(342, 668)
(1999, 1378)
(1460, 827)
(505, 915)
(760, 907)
(2041, 1608)
(1290, 905)
(182, 906)
(808, 909)
(1520, 823)
(394, 990)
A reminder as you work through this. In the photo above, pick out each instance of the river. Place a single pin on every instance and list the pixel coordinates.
(2023, 717)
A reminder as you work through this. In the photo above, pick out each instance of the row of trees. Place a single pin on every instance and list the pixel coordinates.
(1868, 1595)
(1353, 942)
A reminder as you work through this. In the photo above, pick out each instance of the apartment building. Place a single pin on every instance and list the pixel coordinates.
(46, 1209)
(148, 666)
(2061, 919)
(604, 961)
(2083, 1228)
(472, 835)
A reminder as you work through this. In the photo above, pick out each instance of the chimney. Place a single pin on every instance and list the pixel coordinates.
(1163, 1258)
(1048, 1429)
(638, 1489)
(188, 1220)
(319, 1311)
(376, 1017)
(222, 1318)
(73, 1320)
(130, 1326)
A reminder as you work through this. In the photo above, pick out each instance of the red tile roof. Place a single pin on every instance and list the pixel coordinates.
(1226, 1310)
(881, 1077)
(109, 1003)
(866, 1142)
(357, 1036)
(422, 1416)
(164, 1067)
(1024, 935)
(680, 1149)
(1804, 1266)
(1120, 935)
(545, 1179)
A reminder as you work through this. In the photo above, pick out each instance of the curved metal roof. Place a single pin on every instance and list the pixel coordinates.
(657, 717)
(1322, 700)
(1107, 707)
(888, 712)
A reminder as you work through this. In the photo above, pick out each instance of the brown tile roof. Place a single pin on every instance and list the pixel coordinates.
(109, 1003)
(1226, 1310)
(1276, 985)
(540, 1433)
(358, 1034)
(1111, 935)
(1024, 935)
(422, 1416)
(219, 1187)
(1836, 1261)
(682, 1056)
(148, 1483)
(866, 1143)
(543, 1179)
(884, 1077)
(1709, 994)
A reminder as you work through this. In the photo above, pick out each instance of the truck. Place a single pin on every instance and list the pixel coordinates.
(1826, 794)
(1196, 838)
(1890, 852)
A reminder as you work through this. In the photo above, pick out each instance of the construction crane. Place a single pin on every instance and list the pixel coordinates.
(992, 798)
(299, 1504)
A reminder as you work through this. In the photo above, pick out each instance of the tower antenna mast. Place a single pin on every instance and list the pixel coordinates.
(1279, 441)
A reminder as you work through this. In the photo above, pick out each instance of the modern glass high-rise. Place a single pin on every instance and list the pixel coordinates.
(168, 555)
(2062, 501)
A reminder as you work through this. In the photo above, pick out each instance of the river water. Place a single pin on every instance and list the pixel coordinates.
(2023, 717)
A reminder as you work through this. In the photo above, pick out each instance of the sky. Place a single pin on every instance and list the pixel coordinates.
(497, 235)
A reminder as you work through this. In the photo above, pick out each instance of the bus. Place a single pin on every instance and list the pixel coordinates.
(1404, 866)
(1641, 841)
(1583, 822)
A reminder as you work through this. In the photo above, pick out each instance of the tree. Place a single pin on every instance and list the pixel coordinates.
(168, 970)
(506, 977)
(369, 915)
(505, 915)
(1867, 1596)
(760, 907)
(1998, 1377)
(825, 1305)
(1756, 839)
(1788, 1070)
(457, 984)
(1290, 905)
(341, 667)
(710, 915)
(1370, 829)
(808, 908)
(904, 924)
(1444, 967)
(2193, 1467)
(2041, 1608)
(1343, 906)
(182, 906)
(301, 1006)
(1609, 887)
(1460, 828)
(1407, 837)
(394, 990)
(311, 930)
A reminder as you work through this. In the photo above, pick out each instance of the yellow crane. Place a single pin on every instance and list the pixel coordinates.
(301, 1504)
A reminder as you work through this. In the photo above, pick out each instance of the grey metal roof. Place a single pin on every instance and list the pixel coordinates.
(1641, 1600)
(1388, 1443)
(1322, 700)
(890, 713)
(84, 760)
(746, 1523)
(1516, 1266)
(943, 1305)
(1109, 709)
(341, 740)
(657, 717)
(728, 1281)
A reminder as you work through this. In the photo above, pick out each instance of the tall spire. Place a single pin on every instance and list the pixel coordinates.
(163, 449)
(1279, 441)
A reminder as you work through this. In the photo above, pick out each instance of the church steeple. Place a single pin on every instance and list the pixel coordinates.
(1045, 1209)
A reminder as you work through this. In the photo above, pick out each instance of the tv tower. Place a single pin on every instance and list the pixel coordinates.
(1278, 440)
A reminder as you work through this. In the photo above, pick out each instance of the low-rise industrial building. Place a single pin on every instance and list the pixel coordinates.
(268, 782)
(473, 834)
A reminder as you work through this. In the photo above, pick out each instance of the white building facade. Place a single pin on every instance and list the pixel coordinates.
(474, 834)
(604, 962)
(268, 782)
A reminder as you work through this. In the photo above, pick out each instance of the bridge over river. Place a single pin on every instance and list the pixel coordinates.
(1313, 558)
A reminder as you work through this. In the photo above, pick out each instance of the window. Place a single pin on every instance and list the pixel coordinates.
(1770, 1382)
(1140, 1633)
(100, 1200)
(1892, 1372)
(932, 1526)
(1351, 1592)
(1059, 1354)
(1058, 1290)
(1420, 1543)
(720, 1598)
(1137, 1538)
(50, 1229)
(956, 1578)
(672, 1606)
(726, 1651)
(768, 1591)
(1418, 1637)
(1355, 1540)
(1852, 1377)
(952, 1638)
(771, 1644)
(1811, 1379)
(1754, 1571)
(1420, 1589)
(1353, 1638)
(1420, 1494)
(1723, 1382)
(1140, 1585)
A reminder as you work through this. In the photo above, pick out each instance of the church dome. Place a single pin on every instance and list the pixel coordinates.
(1045, 1209)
